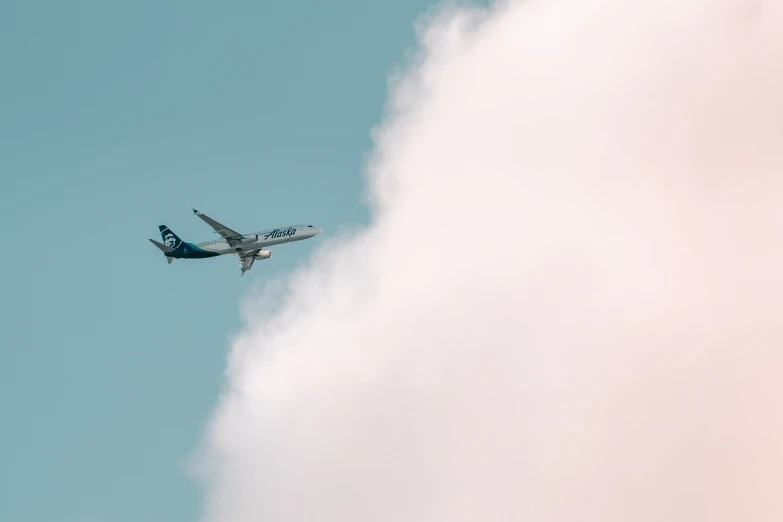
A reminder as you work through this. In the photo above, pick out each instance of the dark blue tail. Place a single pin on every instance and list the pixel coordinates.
(170, 239)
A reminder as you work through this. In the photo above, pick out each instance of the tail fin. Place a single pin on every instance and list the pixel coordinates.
(170, 239)
(171, 242)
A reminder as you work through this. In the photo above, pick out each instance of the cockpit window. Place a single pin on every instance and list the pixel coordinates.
(309, 226)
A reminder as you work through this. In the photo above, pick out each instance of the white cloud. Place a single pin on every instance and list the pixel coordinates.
(568, 304)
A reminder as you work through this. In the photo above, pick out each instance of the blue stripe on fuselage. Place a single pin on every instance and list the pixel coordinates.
(191, 251)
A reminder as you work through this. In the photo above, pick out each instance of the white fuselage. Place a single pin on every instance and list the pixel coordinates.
(260, 240)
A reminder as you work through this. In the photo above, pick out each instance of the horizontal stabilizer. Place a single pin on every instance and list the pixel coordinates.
(170, 259)
(164, 248)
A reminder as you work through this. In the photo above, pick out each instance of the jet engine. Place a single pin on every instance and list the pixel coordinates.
(262, 254)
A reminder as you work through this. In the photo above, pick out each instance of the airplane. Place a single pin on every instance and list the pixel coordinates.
(249, 247)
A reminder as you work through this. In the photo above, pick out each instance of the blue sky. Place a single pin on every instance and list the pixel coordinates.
(118, 117)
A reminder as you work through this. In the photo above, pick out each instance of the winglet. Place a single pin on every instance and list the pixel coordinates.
(195, 211)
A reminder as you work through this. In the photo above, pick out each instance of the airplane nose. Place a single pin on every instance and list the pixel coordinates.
(318, 231)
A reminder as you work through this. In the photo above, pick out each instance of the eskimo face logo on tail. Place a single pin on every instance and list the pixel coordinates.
(170, 240)
(280, 232)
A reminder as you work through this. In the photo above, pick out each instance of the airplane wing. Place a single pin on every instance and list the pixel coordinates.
(246, 260)
(231, 236)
